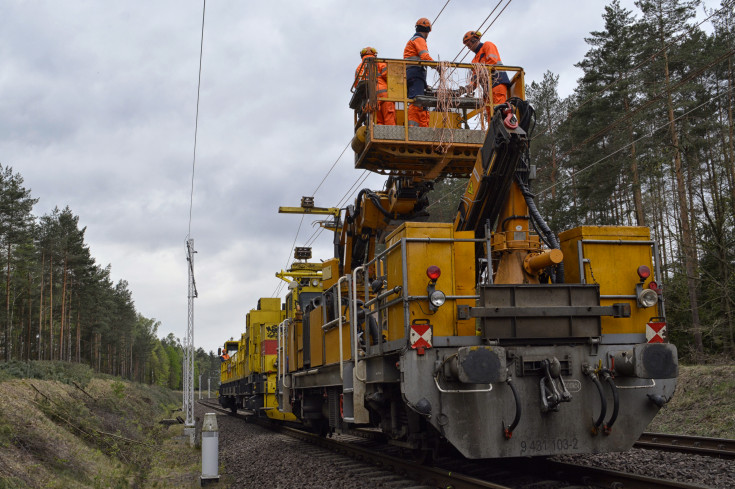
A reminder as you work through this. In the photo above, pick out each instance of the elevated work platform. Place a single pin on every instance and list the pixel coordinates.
(457, 123)
(389, 150)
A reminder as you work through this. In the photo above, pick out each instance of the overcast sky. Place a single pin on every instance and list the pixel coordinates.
(97, 112)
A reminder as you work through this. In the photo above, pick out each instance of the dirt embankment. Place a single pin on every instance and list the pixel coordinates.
(84, 432)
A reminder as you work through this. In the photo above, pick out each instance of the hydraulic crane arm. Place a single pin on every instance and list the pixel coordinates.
(495, 168)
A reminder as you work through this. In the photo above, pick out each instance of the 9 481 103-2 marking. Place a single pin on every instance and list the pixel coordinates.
(532, 446)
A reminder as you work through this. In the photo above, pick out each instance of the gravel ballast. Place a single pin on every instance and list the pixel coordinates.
(254, 456)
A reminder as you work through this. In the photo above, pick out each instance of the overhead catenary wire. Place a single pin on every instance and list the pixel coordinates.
(482, 24)
(332, 167)
(313, 237)
(345, 198)
(293, 245)
(624, 75)
(196, 119)
(647, 135)
(440, 12)
(479, 29)
(626, 146)
(649, 103)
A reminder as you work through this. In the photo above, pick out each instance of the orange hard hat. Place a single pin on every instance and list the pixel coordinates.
(368, 50)
(424, 23)
(471, 35)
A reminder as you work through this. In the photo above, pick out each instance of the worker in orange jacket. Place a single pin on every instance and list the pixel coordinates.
(416, 49)
(386, 113)
(487, 53)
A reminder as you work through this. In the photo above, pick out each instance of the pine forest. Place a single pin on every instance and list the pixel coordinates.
(645, 139)
(59, 305)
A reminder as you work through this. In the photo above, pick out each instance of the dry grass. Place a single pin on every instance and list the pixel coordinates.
(703, 404)
(102, 435)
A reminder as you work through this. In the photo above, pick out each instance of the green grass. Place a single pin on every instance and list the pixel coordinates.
(703, 404)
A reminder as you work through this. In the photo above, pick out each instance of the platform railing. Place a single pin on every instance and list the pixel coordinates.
(376, 305)
(468, 111)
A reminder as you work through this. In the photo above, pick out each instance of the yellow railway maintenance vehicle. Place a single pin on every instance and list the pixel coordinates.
(490, 334)
(249, 366)
(248, 369)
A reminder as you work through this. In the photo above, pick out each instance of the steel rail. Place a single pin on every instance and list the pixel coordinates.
(700, 445)
(422, 474)
(608, 478)
(447, 477)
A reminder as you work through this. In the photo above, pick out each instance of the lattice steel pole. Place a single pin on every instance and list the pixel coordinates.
(189, 341)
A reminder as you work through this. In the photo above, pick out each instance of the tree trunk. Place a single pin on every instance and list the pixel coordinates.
(51, 308)
(637, 197)
(731, 160)
(687, 241)
(63, 308)
(30, 318)
(68, 322)
(554, 163)
(40, 309)
(7, 310)
(79, 338)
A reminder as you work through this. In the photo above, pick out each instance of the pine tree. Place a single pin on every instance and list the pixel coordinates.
(659, 29)
(554, 199)
(16, 222)
(603, 125)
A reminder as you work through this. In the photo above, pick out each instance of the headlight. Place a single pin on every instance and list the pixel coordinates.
(647, 298)
(437, 298)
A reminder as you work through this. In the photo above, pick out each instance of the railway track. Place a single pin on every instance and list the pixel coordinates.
(471, 474)
(719, 447)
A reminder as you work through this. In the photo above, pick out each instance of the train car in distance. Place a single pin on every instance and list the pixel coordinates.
(249, 366)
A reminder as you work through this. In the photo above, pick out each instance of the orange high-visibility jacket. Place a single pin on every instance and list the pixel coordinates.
(487, 54)
(416, 49)
(361, 74)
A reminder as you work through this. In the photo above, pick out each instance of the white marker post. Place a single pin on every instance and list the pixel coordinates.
(210, 449)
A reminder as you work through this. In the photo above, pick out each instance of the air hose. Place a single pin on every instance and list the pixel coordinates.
(607, 376)
(603, 402)
(508, 430)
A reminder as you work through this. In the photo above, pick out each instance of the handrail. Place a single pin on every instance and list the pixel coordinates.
(432, 64)
(467, 108)
(330, 325)
(380, 297)
(339, 317)
(281, 372)
(353, 317)
(399, 289)
(581, 260)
